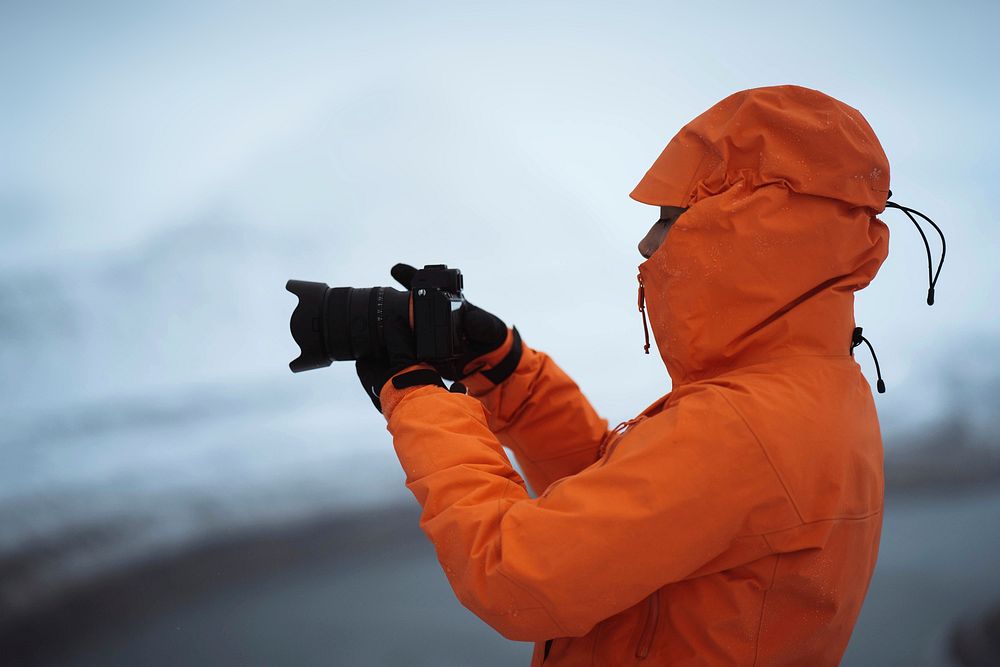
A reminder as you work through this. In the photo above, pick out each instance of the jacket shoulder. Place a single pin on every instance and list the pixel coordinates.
(818, 428)
(700, 452)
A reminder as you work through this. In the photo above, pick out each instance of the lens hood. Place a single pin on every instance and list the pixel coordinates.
(307, 325)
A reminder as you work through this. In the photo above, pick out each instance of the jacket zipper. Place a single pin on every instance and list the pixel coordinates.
(649, 629)
(607, 446)
(609, 437)
(614, 438)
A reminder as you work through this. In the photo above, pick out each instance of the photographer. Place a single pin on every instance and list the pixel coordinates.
(735, 520)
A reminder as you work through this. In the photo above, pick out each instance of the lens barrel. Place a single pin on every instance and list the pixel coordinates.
(352, 330)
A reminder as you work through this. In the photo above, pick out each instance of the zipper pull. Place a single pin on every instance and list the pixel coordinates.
(642, 309)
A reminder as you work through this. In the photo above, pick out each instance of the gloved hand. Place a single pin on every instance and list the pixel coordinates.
(401, 353)
(485, 332)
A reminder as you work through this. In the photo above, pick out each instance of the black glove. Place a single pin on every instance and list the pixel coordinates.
(484, 331)
(400, 353)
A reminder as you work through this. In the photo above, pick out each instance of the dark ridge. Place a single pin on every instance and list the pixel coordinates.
(43, 634)
(976, 641)
(25, 567)
(946, 458)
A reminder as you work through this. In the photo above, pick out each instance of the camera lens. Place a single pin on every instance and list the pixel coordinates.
(337, 330)
(341, 323)
(351, 323)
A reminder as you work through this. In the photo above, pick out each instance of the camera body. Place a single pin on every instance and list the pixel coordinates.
(347, 323)
(436, 294)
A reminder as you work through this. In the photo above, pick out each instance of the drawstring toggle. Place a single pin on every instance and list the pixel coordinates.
(932, 275)
(857, 339)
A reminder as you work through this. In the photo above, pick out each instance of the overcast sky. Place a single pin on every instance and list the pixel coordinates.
(147, 143)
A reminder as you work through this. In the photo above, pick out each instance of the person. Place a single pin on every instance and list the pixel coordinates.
(734, 521)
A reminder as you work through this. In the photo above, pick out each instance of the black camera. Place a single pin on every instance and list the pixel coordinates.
(346, 323)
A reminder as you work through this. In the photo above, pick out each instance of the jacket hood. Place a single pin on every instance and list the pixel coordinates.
(782, 185)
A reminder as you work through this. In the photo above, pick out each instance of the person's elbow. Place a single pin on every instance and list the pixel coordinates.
(527, 623)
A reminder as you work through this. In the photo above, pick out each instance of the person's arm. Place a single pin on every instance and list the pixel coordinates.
(540, 414)
(680, 489)
(533, 406)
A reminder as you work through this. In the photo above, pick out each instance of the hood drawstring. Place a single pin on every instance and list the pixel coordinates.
(931, 277)
(642, 309)
(857, 339)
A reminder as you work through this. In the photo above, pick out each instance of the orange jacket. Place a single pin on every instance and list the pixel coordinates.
(736, 520)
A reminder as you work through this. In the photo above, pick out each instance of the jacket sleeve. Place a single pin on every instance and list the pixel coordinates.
(542, 416)
(676, 493)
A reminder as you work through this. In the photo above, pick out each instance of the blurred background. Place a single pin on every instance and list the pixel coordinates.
(171, 493)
